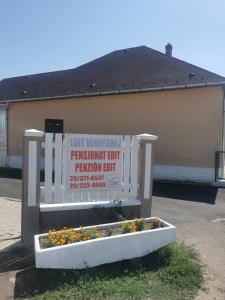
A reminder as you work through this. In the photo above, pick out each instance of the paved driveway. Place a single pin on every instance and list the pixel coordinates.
(199, 223)
(197, 211)
(11, 188)
(10, 211)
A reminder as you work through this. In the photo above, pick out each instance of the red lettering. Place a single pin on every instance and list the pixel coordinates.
(109, 167)
(113, 155)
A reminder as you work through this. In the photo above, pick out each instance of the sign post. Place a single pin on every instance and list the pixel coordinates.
(31, 186)
(146, 173)
(84, 163)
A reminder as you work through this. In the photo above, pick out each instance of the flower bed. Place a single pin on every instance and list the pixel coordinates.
(95, 245)
(69, 235)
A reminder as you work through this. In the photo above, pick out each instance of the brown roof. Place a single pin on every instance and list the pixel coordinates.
(129, 70)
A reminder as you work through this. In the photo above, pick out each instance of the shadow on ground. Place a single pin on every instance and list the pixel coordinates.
(31, 282)
(182, 191)
(15, 257)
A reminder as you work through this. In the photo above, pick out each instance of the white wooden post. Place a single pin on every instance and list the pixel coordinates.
(146, 172)
(126, 166)
(48, 167)
(31, 186)
(58, 168)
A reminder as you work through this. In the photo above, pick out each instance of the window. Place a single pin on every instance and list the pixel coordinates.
(54, 125)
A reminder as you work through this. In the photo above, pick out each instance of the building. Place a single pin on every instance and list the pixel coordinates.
(128, 91)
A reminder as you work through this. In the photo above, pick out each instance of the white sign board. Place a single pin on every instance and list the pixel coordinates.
(94, 162)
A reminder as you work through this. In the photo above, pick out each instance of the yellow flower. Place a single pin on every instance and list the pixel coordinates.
(62, 241)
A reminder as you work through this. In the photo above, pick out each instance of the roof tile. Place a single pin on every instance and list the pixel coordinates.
(127, 69)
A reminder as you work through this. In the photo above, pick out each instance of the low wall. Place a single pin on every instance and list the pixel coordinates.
(184, 174)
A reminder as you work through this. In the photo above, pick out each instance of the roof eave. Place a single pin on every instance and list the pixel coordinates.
(128, 91)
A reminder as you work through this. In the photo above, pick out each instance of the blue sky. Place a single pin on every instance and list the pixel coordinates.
(46, 35)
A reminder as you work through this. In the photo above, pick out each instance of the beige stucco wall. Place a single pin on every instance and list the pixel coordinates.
(188, 122)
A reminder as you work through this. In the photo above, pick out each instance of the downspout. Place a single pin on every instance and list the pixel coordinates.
(5, 108)
(221, 163)
(223, 127)
(6, 132)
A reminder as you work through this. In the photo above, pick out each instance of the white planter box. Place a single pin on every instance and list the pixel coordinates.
(104, 250)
